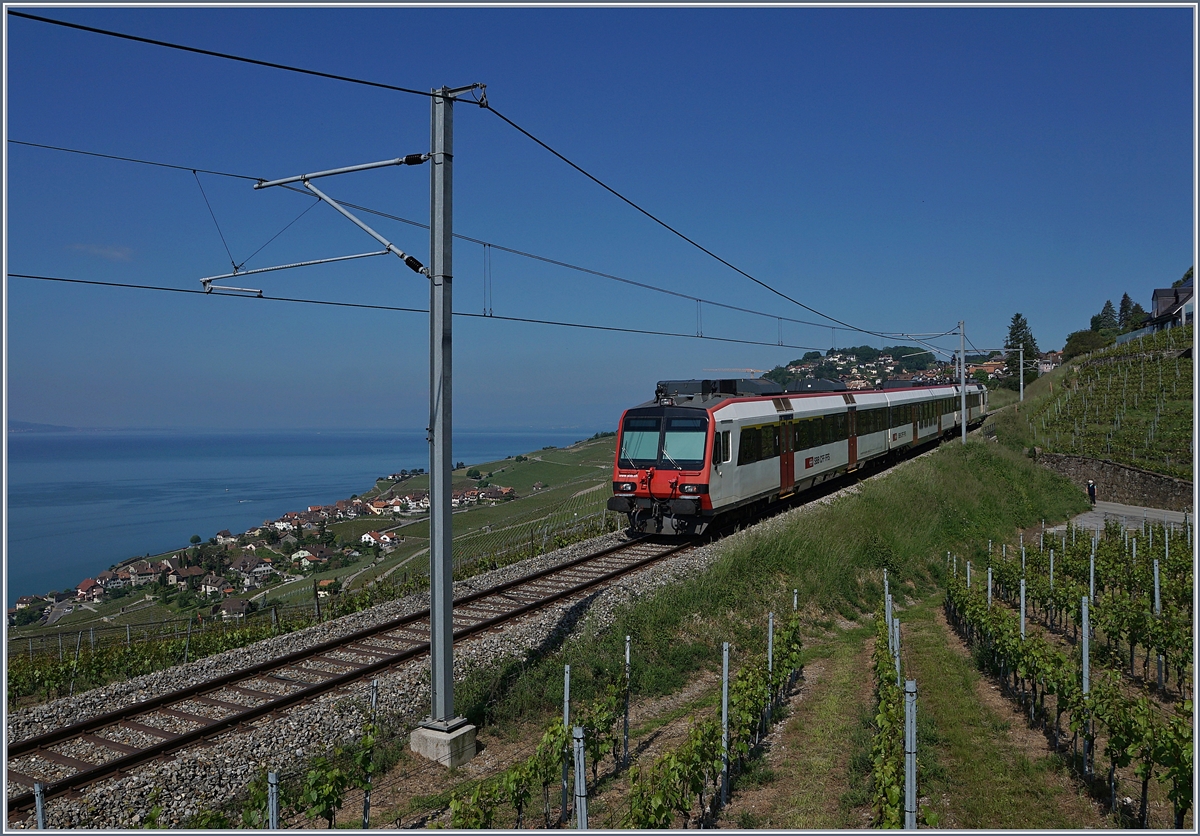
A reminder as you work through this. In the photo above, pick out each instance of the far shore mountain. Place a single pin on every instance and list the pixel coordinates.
(31, 427)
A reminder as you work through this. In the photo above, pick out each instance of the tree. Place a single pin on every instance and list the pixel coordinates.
(1020, 335)
(1137, 316)
(1106, 319)
(1186, 277)
(809, 355)
(1082, 342)
(1124, 311)
(195, 540)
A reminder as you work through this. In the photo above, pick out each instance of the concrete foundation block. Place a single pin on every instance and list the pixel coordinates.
(449, 748)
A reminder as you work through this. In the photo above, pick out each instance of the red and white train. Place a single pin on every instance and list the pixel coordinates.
(703, 448)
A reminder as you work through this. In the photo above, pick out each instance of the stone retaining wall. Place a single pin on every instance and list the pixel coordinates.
(1122, 483)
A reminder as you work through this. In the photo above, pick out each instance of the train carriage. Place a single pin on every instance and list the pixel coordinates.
(704, 448)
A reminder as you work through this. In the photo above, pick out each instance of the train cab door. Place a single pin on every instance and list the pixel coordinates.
(852, 439)
(787, 455)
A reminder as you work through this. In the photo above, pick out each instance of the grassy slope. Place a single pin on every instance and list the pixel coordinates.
(832, 553)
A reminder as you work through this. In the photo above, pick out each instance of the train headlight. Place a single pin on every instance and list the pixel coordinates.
(627, 486)
(689, 489)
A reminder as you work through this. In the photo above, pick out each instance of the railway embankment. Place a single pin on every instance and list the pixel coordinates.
(829, 550)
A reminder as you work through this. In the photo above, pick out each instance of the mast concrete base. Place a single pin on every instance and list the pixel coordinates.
(449, 748)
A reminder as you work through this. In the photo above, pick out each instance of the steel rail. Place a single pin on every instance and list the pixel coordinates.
(174, 742)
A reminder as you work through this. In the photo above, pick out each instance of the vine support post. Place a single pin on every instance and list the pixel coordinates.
(1092, 574)
(625, 759)
(1022, 609)
(968, 574)
(796, 598)
(887, 615)
(989, 587)
(1086, 671)
(910, 754)
(39, 800)
(562, 815)
(581, 814)
(273, 800)
(367, 789)
(724, 723)
(896, 626)
(187, 642)
(129, 634)
(771, 662)
(1158, 614)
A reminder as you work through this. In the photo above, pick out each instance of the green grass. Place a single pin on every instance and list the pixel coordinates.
(1000, 398)
(827, 722)
(904, 521)
(979, 777)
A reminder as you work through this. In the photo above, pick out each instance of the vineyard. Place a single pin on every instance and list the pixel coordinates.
(686, 784)
(1070, 620)
(1131, 403)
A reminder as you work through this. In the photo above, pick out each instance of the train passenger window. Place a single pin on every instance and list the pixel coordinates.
(800, 435)
(639, 441)
(748, 445)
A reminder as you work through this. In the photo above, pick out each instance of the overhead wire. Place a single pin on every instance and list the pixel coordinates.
(483, 103)
(365, 306)
(232, 262)
(480, 242)
(214, 54)
(133, 159)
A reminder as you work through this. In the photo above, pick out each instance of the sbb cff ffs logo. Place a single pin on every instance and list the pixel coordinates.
(815, 460)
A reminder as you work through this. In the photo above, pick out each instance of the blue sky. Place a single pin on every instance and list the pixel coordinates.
(897, 168)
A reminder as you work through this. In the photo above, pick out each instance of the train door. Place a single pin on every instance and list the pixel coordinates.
(787, 455)
(915, 415)
(852, 442)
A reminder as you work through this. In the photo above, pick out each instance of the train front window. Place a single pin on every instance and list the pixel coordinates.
(684, 443)
(639, 441)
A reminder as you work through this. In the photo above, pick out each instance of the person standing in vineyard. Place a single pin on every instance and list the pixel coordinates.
(1092, 491)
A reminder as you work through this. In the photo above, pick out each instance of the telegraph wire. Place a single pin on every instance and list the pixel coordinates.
(227, 56)
(329, 303)
(479, 241)
(481, 103)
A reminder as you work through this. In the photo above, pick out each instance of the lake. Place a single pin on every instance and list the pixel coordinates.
(79, 502)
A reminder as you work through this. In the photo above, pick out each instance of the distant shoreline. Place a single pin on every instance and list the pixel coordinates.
(489, 446)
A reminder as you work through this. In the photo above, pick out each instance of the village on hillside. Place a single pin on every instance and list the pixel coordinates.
(221, 575)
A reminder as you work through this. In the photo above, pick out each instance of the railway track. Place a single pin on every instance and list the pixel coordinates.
(117, 743)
